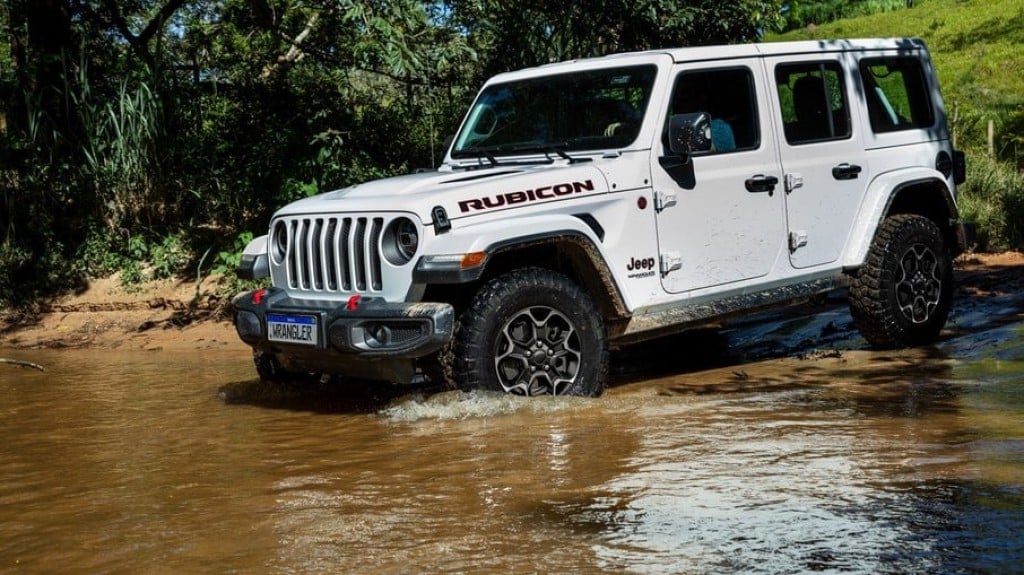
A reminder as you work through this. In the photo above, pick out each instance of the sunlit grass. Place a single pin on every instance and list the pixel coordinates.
(975, 45)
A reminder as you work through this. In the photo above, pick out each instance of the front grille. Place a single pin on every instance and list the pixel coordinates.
(330, 254)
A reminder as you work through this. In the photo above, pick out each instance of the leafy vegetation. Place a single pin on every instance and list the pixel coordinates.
(148, 136)
(994, 201)
(799, 14)
(144, 136)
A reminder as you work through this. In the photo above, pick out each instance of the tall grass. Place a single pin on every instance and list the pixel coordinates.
(993, 198)
(120, 148)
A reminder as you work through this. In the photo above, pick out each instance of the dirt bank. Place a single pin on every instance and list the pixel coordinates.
(166, 314)
(181, 315)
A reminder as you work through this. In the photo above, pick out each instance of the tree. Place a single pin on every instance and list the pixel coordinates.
(129, 121)
(516, 35)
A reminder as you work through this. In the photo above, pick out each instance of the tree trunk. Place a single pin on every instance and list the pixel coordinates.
(42, 45)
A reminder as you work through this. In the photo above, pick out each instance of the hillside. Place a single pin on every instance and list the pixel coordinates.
(975, 45)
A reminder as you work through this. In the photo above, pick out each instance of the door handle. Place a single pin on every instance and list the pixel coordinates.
(761, 183)
(846, 171)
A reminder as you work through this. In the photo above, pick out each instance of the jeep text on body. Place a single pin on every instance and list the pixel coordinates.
(611, 200)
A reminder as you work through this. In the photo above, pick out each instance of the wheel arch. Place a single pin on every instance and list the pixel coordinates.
(926, 195)
(567, 251)
(933, 200)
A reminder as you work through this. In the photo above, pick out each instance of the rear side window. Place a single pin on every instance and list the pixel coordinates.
(897, 94)
(813, 101)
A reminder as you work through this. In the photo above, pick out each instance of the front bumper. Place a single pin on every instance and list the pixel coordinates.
(363, 337)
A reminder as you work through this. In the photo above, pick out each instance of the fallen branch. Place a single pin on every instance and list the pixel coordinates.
(20, 363)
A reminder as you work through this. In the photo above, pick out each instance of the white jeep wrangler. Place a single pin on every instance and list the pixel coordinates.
(605, 201)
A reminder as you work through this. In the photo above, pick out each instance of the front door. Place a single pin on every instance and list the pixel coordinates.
(720, 214)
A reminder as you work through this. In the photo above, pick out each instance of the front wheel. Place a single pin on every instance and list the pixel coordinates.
(270, 371)
(902, 294)
(530, 332)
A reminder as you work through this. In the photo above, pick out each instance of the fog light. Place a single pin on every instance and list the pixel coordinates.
(377, 335)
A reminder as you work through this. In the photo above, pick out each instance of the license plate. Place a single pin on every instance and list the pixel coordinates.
(299, 329)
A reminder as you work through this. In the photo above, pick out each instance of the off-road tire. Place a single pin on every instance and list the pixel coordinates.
(271, 371)
(267, 366)
(531, 331)
(902, 294)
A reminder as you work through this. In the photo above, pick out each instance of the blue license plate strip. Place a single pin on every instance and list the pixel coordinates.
(298, 329)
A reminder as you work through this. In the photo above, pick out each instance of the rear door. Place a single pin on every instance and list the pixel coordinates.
(822, 152)
(720, 215)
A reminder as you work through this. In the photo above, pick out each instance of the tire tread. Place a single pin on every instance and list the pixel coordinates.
(460, 358)
(877, 321)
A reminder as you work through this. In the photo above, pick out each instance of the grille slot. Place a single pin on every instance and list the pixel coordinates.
(334, 254)
(401, 334)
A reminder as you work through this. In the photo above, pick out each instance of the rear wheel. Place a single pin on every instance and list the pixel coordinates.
(903, 293)
(530, 332)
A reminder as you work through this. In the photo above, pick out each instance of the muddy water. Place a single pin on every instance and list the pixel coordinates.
(833, 461)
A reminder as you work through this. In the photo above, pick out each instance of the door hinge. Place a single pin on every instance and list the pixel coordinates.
(670, 262)
(794, 181)
(664, 200)
(797, 240)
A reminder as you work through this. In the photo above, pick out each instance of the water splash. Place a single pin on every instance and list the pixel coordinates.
(456, 405)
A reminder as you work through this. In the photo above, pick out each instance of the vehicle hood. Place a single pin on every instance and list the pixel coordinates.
(460, 192)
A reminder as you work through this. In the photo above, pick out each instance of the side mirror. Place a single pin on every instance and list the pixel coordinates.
(689, 133)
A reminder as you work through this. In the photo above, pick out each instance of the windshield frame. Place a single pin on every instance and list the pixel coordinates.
(567, 108)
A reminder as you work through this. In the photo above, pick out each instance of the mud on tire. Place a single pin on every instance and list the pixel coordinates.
(531, 331)
(902, 294)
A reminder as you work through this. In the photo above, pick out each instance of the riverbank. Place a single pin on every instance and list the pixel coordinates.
(165, 314)
(173, 314)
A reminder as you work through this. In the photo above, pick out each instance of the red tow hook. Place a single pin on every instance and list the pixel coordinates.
(353, 302)
(258, 295)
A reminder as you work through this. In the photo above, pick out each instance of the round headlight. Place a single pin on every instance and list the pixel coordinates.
(279, 242)
(400, 242)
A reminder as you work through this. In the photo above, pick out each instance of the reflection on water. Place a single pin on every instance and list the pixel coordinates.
(842, 461)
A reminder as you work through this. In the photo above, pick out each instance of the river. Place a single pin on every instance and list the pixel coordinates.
(749, 450)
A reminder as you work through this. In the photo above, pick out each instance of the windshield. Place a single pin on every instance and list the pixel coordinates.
(593, 110)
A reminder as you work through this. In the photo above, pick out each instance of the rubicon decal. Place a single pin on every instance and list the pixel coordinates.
(525, 196)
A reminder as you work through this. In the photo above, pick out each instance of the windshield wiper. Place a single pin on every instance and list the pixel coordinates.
(483, 152)
(548, 149)
(557, 148)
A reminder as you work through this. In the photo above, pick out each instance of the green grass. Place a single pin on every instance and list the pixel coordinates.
(993, 199)
(976, 46)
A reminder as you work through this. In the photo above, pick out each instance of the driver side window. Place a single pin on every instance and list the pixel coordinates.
(727, 96)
